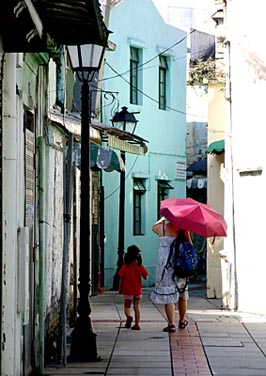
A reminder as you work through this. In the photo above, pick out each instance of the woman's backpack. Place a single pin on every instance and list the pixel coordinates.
(185, 260)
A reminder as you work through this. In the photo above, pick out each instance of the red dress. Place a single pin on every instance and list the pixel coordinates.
(131, 275)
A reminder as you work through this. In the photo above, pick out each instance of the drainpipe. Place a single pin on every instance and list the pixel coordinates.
(1, 187)
(229, 142)
(75, 243)
(67, 220)
(41, 254)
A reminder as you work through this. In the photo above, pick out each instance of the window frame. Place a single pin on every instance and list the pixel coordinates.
(139, 190)
(134, 75)
(163, 187)
(163, 71)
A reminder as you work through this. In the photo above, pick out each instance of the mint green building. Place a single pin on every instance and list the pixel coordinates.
(148, 70)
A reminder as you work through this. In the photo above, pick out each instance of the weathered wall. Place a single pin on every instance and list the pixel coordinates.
(245, 137)
(215, 187)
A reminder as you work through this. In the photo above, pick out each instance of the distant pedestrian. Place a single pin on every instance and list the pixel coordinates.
(130, 284)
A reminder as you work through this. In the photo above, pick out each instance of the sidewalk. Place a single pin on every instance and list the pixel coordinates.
(215, 342)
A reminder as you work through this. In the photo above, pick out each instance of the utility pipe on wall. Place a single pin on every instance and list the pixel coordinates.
(41, 254)
(67, 221)
(9, 347)
(1, 180)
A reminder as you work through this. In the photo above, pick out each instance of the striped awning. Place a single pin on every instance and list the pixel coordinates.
(103, 158)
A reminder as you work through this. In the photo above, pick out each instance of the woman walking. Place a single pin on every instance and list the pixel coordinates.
(165, 290)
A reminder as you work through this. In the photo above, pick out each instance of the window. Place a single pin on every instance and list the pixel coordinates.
(134, 74)
(29, 158)
(163, 192)
(139, 191)
(163, 68)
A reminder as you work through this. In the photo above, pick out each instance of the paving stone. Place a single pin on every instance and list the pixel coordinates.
(215, 342)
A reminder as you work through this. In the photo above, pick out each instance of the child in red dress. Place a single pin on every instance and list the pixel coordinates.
(130, 284)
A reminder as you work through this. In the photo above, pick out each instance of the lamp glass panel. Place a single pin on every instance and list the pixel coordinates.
(130, 127)
(91, 55)
(73, 55)
(125, 126)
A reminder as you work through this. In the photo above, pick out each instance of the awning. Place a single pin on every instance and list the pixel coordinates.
(197, 182)
(216, 147)
(122, 140)
(31, 26)
(164, 184)
(102, 158)
(72, 122)
(139, 185)
(198, 166)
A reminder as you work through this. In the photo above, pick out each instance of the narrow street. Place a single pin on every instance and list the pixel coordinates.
(216, 342)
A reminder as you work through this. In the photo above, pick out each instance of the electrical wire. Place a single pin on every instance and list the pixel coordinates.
(142, 92)
(145, 63)
(128, 174)
(153, 58)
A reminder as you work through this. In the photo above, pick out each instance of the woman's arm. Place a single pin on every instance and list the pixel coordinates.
(157, 226)
(187, 235)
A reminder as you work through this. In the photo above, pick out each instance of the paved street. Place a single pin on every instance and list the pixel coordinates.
(216, 342)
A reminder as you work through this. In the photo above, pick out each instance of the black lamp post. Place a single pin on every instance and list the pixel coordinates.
(85, 60)
(122, 120)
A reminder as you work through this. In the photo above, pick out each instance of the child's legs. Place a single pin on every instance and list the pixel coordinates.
(136, 305)
(127, 305)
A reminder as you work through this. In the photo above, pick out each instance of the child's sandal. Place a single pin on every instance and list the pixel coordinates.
(129, 322)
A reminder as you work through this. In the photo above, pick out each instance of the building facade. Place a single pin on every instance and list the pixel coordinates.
(147, 69)
(244, 155)
(35, 236)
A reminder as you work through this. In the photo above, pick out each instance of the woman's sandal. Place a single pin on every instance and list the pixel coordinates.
(183, 324)
(169, 329)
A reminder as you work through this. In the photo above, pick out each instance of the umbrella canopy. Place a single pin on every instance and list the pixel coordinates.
(194, 216)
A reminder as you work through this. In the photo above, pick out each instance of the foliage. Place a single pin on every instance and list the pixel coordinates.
(201, 72)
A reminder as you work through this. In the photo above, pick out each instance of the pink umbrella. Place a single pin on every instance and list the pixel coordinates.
(194, 216)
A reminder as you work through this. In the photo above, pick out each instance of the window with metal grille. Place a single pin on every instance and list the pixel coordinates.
(139, 190)
(163, 68)
(134, 75)
(163, 192)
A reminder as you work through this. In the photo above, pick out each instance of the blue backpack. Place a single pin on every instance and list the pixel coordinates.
(185, 260)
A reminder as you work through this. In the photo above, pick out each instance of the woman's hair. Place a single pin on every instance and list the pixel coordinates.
(181, 237)
(133, 254)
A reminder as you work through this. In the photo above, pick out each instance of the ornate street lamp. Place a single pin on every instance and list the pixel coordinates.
(85, 61)
(126, 121)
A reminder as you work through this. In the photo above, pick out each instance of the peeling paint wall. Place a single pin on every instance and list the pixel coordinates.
(54, 176)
